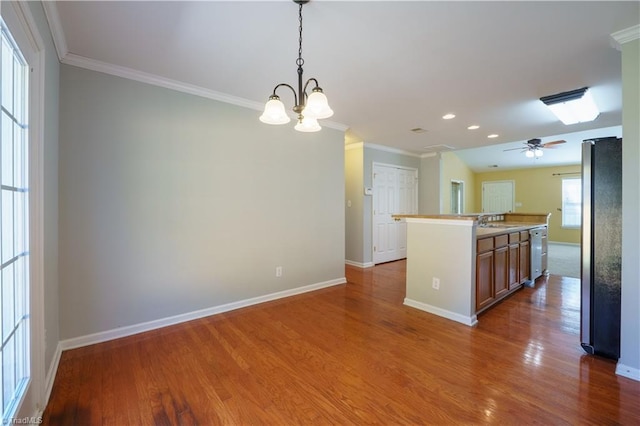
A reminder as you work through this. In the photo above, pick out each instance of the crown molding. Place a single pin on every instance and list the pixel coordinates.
(131, 74)
(57, 33)
(625, 36)
(143, 77)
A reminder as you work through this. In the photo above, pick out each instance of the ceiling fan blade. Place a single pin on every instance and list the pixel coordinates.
(551, 144)
(513, 149)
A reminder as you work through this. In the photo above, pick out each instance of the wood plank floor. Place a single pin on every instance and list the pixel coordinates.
(352, 354)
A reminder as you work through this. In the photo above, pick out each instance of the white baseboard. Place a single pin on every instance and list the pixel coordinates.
(359, 264)
(470, 321)
(629, 372)
(104, 336)
(562, 243)
(51, 373)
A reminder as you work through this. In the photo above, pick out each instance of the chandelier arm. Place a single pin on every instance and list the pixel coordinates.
(307, 83)
(295, 96)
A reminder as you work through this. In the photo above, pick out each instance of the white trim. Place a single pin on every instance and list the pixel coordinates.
(57, 32)
(30, 39)
(117, 333)
(627, 371)
(624, 36)
(470, 321)
(562, 243)
(359, 264)
(51, 372)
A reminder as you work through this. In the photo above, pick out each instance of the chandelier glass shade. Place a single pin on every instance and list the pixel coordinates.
(309, 108)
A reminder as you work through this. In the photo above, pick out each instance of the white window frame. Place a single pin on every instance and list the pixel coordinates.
(571, 205)
(457, 189)
(22, 25)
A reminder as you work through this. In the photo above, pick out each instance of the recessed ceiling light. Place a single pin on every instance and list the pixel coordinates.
(448, 116)
(474, 127)
(493, 135)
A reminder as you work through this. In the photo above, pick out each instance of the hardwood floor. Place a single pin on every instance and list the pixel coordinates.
(352, 354)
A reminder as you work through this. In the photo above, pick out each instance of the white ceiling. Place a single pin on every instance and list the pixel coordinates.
(386, 66)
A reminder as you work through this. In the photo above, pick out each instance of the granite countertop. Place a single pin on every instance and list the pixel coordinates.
(497, 224)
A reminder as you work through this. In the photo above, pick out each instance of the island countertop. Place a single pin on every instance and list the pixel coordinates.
(490, 224)
(443, 271)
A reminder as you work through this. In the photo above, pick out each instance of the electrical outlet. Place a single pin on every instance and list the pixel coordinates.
(278, 271)
(435, 283)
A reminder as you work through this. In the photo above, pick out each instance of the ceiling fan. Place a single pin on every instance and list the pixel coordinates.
(533, 147)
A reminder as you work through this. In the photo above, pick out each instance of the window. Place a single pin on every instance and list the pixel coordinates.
(571, 202)
(14, 220)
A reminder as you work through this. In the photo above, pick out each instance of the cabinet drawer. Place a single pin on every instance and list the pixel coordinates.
(485, 244)
(524, 235)
(514, 238)
(501, 240)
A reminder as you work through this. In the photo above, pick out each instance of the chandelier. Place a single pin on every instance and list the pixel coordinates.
(310, 108)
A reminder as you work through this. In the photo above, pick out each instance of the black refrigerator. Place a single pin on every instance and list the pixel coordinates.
(601, 246)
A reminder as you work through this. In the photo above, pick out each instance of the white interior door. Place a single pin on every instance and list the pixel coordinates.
(395, 191)
(498, 196)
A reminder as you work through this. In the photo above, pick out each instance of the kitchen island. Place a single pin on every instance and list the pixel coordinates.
(460, 265)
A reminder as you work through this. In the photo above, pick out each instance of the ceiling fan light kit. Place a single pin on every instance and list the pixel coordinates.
(575, 106)
(533, 147)
(310, 108)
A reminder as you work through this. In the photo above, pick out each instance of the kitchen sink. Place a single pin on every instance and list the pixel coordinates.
(498, 225)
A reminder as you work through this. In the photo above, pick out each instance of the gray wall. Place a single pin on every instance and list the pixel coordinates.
(429, 200)
(630, 332)
(171, 203)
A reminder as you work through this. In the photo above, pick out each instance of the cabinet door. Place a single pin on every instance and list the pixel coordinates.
(525, 261)
(514, 265)
(484, 279)
(500, 271)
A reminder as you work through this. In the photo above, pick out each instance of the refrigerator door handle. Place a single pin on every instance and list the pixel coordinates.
(586, 250)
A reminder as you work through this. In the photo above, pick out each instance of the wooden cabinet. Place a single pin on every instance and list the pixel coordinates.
(501, 271)
(484, 280)
(503, 264)
(514, 260)
(491, 270)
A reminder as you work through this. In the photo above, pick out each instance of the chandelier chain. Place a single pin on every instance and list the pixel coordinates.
(300, 61)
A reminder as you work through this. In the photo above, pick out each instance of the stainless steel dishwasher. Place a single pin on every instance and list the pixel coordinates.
(535, 239)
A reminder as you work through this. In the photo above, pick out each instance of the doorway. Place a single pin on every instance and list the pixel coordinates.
(395, 191)
(498, 196)
(457, 197)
